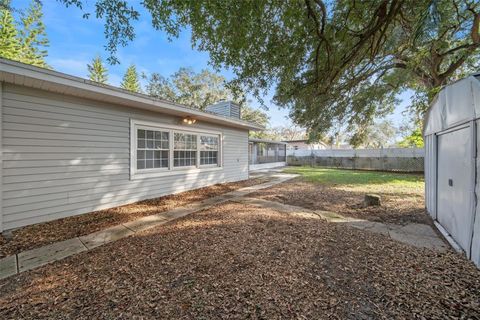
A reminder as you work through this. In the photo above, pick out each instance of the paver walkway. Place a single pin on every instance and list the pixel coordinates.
(35, 258)
(415, 234)
(419, 235)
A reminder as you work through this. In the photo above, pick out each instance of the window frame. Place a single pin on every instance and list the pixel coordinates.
(185, 150)
(135, 173)
(199, 150)
(136, 148)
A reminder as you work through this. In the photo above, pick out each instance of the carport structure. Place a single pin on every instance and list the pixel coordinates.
(451, 163)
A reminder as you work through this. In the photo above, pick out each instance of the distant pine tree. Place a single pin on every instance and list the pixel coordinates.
(97, 71)
(9, 42)
(33, 37)
(130, 80)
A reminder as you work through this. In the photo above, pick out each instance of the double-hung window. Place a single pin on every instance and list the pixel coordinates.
(152, 149)
(165, 149)
(185, 149)
(208, 150)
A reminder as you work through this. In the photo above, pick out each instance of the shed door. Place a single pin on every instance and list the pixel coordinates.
(454, 185)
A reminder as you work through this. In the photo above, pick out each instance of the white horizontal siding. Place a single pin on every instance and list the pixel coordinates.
(64, 156)
(59, 123)
(48, 128)
(61, 163)
(49, 137)
(73, 156)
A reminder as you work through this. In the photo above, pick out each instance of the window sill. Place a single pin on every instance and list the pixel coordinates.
(174, 172)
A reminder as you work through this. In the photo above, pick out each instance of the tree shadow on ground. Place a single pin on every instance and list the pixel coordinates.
(398, 206)
(240, 261)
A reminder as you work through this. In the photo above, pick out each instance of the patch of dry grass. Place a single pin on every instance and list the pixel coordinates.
(343, 191)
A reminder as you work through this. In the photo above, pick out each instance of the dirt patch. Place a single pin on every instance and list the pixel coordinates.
(236, 261)
(397, 207)
(45, 233)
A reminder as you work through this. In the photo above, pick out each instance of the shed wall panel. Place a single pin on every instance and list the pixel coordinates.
(475, 248)
(430, 174)
(454, 185)
(65, 156)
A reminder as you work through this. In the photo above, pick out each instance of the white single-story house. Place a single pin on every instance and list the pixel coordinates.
(304, 144)
(72, 146)
(452, 165)
(266, 154)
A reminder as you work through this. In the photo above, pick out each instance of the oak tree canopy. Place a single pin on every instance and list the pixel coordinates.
(331, 63)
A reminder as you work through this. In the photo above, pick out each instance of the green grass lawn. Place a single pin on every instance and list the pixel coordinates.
(362, 181)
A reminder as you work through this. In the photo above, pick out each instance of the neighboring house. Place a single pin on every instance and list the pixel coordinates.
(305, 145)
(72, 146)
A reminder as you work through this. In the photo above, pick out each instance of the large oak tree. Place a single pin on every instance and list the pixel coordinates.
(332, 62)
(199, 90)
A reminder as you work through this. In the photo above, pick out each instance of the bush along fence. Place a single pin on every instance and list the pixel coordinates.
(385, 159)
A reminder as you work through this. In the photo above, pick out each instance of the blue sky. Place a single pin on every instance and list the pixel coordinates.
(74, 41)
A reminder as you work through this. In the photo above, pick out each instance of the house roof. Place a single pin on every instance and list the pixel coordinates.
(54, 81)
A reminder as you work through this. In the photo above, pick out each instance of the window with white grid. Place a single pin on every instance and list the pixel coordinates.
(165, 149)
(208, 150)
(184, 149)
(152, 149)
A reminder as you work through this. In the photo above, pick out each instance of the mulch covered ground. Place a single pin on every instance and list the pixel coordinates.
(45, 233)
(397, 207)
(236, 262)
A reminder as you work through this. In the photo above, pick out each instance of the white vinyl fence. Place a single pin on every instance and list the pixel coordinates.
(385, 159)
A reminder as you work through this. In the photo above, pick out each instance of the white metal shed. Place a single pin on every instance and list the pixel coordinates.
(451, 166)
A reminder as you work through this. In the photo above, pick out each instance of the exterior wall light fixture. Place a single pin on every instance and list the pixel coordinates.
(189, 120)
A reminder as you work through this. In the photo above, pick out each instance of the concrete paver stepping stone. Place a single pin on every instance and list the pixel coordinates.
(240, 193)
(415, 234)
(418, 240)
(146, 222)
(214, 200)
(332, 216)
(38, 257)
(418, 228)
(178, 213)
(8, 266)
(378, 227)
(101, 237)
(360, 224)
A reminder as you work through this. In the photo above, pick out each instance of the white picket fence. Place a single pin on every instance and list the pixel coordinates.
(389, 159)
